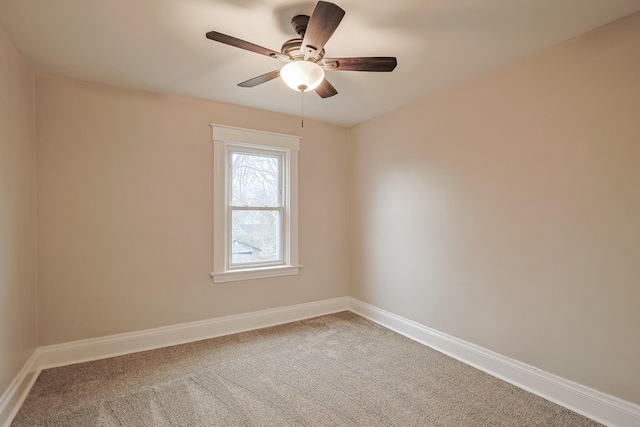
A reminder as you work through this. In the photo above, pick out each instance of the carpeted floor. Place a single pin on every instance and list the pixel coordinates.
(336, 370)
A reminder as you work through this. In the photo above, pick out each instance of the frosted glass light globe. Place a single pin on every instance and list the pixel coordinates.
(302, 75)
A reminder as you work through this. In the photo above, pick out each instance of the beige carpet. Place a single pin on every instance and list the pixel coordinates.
(337, 370)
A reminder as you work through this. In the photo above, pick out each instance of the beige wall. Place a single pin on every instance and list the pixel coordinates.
(506, 210)
(17, 214)
(125, 211)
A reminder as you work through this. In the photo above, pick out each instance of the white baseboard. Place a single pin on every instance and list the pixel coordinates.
(596, 405)
(13, 397)
(116, 345)
(133, 342)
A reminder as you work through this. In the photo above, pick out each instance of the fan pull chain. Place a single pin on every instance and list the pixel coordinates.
(302, 108)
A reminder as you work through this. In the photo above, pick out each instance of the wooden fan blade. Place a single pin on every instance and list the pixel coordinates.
(323, 22)
(260, 79)
(326, 89)
(372, 63)
(232, 41)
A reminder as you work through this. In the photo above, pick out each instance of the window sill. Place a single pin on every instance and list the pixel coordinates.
(255, 273)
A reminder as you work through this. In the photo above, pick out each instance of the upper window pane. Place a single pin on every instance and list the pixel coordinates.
(255, 180)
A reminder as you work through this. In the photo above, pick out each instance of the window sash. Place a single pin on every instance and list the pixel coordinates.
(281, 243)
(280, 239)
(252, 151)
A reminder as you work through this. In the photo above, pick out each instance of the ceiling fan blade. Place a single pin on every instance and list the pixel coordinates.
(326, 89)
(372, 63)
(323, 22)
(260, 79)
(232, 41)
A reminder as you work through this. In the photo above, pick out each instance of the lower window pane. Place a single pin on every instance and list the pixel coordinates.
(255, 236)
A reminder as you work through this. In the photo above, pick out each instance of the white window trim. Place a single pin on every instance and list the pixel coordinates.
(223, 138)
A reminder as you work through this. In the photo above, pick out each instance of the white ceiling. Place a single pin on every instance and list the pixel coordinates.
(160, 45)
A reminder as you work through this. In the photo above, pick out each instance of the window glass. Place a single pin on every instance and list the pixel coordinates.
(255, 236)
(255, 180)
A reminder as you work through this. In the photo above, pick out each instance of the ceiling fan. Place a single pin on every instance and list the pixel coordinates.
(304, 55)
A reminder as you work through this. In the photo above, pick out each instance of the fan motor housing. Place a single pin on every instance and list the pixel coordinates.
(291, 48)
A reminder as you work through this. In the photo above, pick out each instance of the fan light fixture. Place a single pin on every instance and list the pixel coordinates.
(302, 75)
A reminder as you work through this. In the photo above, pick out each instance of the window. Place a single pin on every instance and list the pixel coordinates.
(255, 213)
